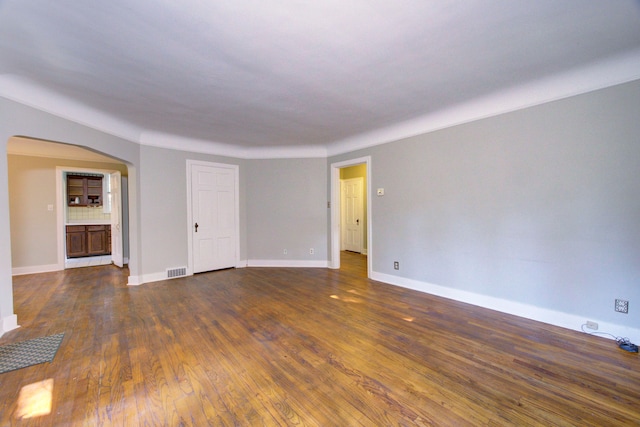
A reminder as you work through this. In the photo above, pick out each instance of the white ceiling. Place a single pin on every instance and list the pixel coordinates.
(306, 78)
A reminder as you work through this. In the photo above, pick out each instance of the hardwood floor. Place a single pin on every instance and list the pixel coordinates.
(317, 347)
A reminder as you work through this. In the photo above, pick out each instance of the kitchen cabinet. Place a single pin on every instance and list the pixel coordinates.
(76, 241)
(88, 240)
(84, 190)
(97, 240)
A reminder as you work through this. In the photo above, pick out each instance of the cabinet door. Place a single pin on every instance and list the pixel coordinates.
(76, 191)
(76, 241)
(94, 191)
(96, 240)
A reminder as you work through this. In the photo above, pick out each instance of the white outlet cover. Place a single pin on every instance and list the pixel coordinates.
(380, 191)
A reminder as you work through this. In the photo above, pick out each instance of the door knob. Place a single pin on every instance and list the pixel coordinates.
(357, 222)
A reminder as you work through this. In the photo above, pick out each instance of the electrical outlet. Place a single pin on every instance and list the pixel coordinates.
(284, 252)
(592, 325)
(396, 265)
(311, 251)
(622, 306)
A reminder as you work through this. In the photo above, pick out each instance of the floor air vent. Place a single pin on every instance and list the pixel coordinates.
(176, 272)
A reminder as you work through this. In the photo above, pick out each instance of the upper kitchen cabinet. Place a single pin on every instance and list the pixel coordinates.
(84, 190)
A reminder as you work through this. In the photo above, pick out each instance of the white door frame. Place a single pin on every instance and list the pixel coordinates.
(236, 172)
(335, 211)
(117, 245)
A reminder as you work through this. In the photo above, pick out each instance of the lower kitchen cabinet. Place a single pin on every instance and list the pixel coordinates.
(76, 241)
(88, 240)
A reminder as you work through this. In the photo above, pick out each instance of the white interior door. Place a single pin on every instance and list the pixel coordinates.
(352, 224)
(116, 219)
(213, 208)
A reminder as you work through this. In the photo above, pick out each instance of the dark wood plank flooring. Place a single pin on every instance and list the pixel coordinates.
(316, 347)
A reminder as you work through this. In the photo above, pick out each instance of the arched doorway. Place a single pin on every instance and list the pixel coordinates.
(39, 213)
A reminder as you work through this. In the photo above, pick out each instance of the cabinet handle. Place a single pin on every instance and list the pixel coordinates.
(196, 227)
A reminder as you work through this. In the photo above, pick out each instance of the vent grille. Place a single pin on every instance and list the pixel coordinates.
(176, 272)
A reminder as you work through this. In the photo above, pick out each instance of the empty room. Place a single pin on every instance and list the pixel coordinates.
(320, 213)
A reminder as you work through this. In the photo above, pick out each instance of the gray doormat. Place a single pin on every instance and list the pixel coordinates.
(28, 353)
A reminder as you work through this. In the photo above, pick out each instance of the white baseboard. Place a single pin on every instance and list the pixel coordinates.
(156, 277)
(152, 277)
(8, 323)
(34, 269)
(287, 263)
(147, 278)
(552, 317)
(134, 281)
(19, 271)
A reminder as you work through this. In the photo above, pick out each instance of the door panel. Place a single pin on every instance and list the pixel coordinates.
(214, 212)
(352, 221)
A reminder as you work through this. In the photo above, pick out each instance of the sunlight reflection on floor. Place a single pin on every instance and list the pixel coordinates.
(35, 399)
(346, 299)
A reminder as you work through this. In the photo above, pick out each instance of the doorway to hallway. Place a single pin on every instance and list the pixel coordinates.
(363, 220)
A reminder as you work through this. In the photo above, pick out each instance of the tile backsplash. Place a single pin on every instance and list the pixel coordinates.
(78, 213)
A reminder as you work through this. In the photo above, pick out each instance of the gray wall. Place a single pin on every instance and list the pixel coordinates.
(163, 196)
(539, 206)
(287, 209)
(32, 186)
